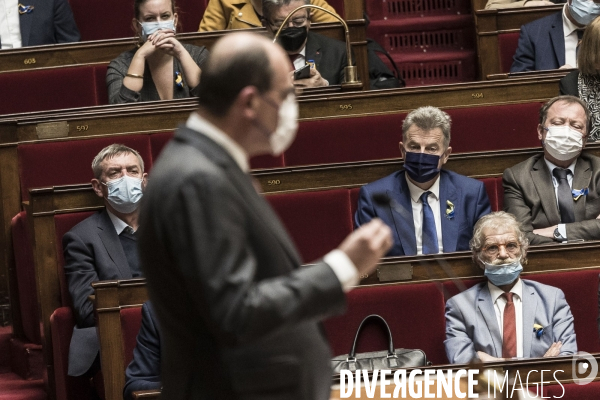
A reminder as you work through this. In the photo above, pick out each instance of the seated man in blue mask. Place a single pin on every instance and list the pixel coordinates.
(103, 246)
(506, 316)
(430, 210)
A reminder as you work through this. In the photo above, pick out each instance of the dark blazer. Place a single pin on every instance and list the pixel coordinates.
(568, 84)
(238, 316)
(329, 56)
(529, 195)
(143, 372)
(50, 22)
(541, 45)
(92, 252)
(471, 323)
(468, 195)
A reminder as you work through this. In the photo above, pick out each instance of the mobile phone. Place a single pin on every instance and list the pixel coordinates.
(302, 72)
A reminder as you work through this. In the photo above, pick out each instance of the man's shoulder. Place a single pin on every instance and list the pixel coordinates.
(390, 182)
(460, 180)
(540, 288)
(524, 166)
(467, 296)
(326, 41)
(594, 160)
(88, 224)
(544, 22)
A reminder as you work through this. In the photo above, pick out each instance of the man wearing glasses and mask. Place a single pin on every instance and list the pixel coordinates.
(103, 246)
(302, 46)
(555, 195)
(505, 316)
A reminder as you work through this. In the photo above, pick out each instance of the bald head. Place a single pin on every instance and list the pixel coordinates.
(236, 61)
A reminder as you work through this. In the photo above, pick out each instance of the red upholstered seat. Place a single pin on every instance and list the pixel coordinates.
(415, 314)
(353, 202)
(338, 5)
(63, 224)
(101, 89)
(69, 162)
(571, 391)
(157, 142)
(507, 46)
(62, 322)
(316, 221)
(131, 321)
(500, 191)
(491, 187)
(48, 89)
(510, 126)
(190, 14)
(101, 19)
(346, 139)
(25, 272)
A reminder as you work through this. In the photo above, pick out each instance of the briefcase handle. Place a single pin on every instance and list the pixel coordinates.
(391, 353)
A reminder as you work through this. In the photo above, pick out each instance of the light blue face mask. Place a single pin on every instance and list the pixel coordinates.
(124, 194)
(148, 28)
(584, 11)
(503, 274)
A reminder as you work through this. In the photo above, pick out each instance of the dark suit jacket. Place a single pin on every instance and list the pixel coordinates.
(143, 372)
(93, 252)
(529, 195)
(239, 318)
(541, 45)
(50, 22)
(568, 84)
(471, 323)
(329, 56)
(468, 196)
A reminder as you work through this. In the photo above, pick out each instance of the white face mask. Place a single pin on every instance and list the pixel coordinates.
(287, 126)
(148, 28)
(124, 194)
(563, 143)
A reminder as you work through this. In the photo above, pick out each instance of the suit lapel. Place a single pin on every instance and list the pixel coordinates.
(557, 39)
(582, 179)
(542, 181)
(448, 192)
(313, 50)
(25, 22)
(403, 218)
(485, 307)
(248, 15)
(529, 304)
(112, 244)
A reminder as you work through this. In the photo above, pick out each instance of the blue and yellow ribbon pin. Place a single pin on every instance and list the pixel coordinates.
(25, 9)
(578, 193)
(539, 330)
(178, 79)
(449, 209)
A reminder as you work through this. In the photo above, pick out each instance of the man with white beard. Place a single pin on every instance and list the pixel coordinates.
(505, 316)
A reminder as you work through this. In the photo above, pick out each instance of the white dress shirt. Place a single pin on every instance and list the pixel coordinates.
(340, 263)
(10, 28)
(561, 227)
(500, 304)
(570, 32)
(417, 209)
(118, 223)
(300, 61)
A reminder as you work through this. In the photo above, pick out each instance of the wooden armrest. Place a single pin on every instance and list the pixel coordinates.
(92, 298)
(146, 394)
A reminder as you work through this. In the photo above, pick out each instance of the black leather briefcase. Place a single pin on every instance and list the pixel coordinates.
(386, 359)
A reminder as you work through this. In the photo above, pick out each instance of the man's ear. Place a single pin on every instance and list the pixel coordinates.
(446, 154)
(97, 186)
(540, 131)
(144, 180)
(248, 102)
(402, 151)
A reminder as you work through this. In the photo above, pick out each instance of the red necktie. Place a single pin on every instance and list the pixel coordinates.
(509, 333)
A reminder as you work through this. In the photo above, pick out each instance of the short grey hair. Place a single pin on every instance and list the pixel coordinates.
(569, 100)
(495, 220)
(112, 151)
(428, 118)
(271, 6)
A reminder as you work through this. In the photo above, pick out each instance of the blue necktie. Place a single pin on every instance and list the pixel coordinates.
(429, 241)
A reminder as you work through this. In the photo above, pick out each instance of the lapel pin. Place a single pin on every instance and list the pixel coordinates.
(578, 193)
(449, 209)
(25, 9)
(539, 330)
(178, 79)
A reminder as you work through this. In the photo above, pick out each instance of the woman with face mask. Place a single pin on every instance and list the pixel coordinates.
(160, 68)
(585, 82)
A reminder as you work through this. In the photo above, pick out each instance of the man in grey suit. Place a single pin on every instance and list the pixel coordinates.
(506, 316)
(239, 317)
(556, 196)
(103, 246)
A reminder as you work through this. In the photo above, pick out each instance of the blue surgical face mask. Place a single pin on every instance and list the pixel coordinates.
(124, 194)
(503, 274)
(421, 167)
(148, 28)
(584, 11)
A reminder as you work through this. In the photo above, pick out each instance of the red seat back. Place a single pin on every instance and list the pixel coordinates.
(101, 19)
(316, 221)
(415, 314)
(69, 162)
(101, 89)
(491, 187)
(507, 47)
(131, 321)
(190, 14)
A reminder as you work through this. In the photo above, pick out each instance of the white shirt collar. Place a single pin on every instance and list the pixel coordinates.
(568, 26)
(117, 222)
(551, 166)
(201, 125)
(416, 192)
(496, 292)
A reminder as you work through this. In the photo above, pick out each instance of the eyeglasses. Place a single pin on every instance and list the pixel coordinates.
(493, 249)
(296, 22)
